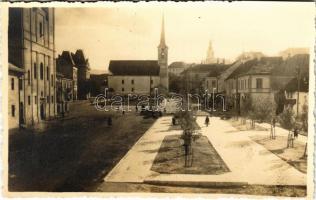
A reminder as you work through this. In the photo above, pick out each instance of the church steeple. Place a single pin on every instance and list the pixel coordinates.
(163, 58)
(162, 35)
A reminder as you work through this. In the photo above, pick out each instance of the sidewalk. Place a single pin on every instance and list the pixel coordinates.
(282, 131)
(248, 161)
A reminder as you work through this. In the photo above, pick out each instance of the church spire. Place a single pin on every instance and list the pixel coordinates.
(162, 36)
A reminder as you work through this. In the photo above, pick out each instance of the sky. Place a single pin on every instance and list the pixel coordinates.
(131, 31)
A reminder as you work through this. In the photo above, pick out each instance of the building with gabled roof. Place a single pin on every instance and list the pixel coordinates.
(66, 66)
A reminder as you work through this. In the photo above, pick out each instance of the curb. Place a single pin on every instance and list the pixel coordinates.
(196, 183)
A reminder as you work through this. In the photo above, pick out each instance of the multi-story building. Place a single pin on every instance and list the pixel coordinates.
(15, 93)
(263, 78)
(83, 67)
(176, 68)
(67, 67)
(31, 39)
(199, 77)
(133, 77)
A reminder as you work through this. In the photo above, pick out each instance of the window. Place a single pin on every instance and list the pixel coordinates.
(42, 93)
(122, 89)
(13, 110)
(42, 71)
(29, 100)
(122, 81)
(132, 81)
(12, 83)
(47, 73)
(213, 84)
(132, 89)
(259, 83)
(249, 83)
(41, 29)
(35, 99)
(52, 99)
(35, 71)
(52, 80)
(47, 98)
(20, 84)
(29, 77)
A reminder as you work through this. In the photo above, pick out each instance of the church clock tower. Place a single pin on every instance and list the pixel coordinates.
(163, 58)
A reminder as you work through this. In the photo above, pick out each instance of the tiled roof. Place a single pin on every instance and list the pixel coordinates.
(292, 86)
(177, 65)
(134, 67)
(243, 68)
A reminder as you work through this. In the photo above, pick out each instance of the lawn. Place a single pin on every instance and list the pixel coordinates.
(278, 146)
(73, 154)
(171, 159)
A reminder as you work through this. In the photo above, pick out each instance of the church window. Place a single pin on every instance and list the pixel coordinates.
(122, 89)
(132, 81)
(122, 81)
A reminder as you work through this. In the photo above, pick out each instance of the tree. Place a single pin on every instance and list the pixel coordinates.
(188, 125)
(246, 106)
(304, 117)
(175, 83)
(286, 119)
(279, 99)
(263, 109)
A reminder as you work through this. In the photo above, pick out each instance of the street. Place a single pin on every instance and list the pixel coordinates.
(72, 154)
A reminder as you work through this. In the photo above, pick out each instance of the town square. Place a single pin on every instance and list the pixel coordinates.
(158, 98)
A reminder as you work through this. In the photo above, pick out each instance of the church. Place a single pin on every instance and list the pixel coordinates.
(140, 76)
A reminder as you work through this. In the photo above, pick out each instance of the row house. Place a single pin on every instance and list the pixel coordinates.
(68, 69)
(64, 87)
(262, 78)
(200, 77)
(15, 93)
(31, 44)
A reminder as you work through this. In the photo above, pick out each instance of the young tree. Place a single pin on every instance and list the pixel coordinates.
(287, 121)
(188, 124)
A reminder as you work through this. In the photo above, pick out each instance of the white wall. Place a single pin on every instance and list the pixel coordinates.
(141, 84)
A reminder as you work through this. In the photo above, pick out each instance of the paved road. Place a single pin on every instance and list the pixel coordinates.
(247, 160)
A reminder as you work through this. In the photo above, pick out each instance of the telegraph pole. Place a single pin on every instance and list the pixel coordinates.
(298, 90)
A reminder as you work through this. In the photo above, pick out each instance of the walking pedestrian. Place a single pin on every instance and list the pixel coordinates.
(207, 121)
(296, 132)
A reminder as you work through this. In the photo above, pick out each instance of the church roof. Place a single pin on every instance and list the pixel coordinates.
(134, 67)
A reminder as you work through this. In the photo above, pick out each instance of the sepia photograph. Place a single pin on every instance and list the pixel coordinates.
(157, 98)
